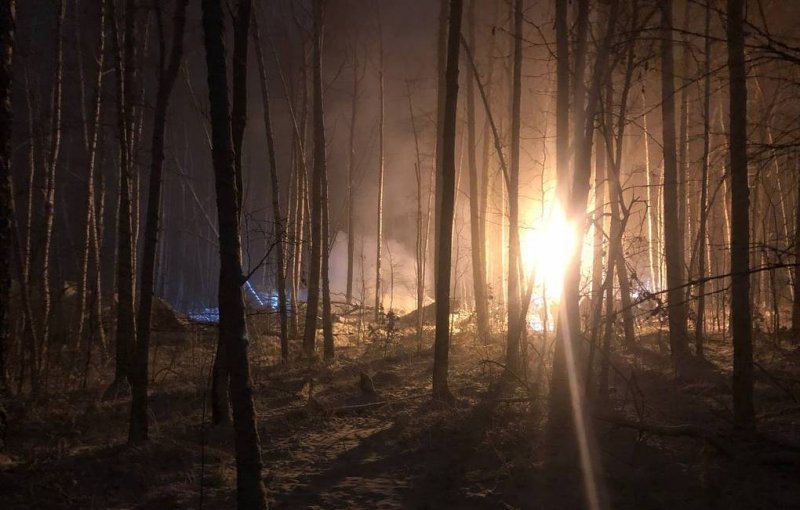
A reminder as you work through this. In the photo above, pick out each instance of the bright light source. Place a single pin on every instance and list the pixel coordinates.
(547, 247)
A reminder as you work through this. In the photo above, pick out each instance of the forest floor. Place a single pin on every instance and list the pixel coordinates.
(334, 438)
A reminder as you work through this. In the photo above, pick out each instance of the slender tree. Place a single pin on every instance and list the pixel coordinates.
(241, 26)
(280, 228)
(124, 67)
(475, 213)
(220, 402)
(796, 301)
(351, 170)
(741, 318)
(315, 259)
(445, 220)
(232, 321)
(701, 233)
(50, 185)
(673, 229)
(327, 318)
(512, 344)
(7, 28)
(381, 122)
(167, 75)
(89, 231)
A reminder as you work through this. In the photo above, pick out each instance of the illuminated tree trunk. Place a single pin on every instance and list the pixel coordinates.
(327, 319)
(441, 64)
(325, 237)
(379, 234)
(796, 301)
(684, 211)
(476, 220)
(298, 235)
(277, 218)
(351, 170)
(7, 29)
(490, 279)
(564, 385)
(651, 179)
(701, 234)
(598, 220)
(315, 260)
(673, 229)
(445, 220)
(232, 322)
(423, 221)
(89, 230)
(741, 319)
(166, 80)
(559, 388)
(619, 213)
(512, 344)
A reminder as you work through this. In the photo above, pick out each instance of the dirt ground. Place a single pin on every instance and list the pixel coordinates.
(330, 441)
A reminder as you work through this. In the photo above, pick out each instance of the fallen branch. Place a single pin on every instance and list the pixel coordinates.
(371, 405)
(690, 431)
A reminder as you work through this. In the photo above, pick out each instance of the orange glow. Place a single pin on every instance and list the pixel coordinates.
(547, 245)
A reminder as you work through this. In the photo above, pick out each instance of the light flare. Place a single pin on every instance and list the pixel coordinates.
(547, 246)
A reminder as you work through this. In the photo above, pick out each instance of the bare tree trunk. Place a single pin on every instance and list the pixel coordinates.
(673, 229)
(220, 405)
(96, 315)
(512, 344)
(138, 430)
(327, 319)
(653, 249)
(315, 260)
(796, 302)
(89, 224)
(50, 185)
(232, 322)
(7, 29)
(241, 25)
(381, 122)
(448, 177)
(351, 170)
(422, 233)
(124, 70)
(699, 332)
(280, 227)
(559, 387)
(485, 179)
(684, 212)
(617, 198)
(476, 220)
(600, 231)
(441, 64)
(297, 237)
(741, 319)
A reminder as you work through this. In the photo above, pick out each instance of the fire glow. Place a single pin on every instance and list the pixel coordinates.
(547, 247)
